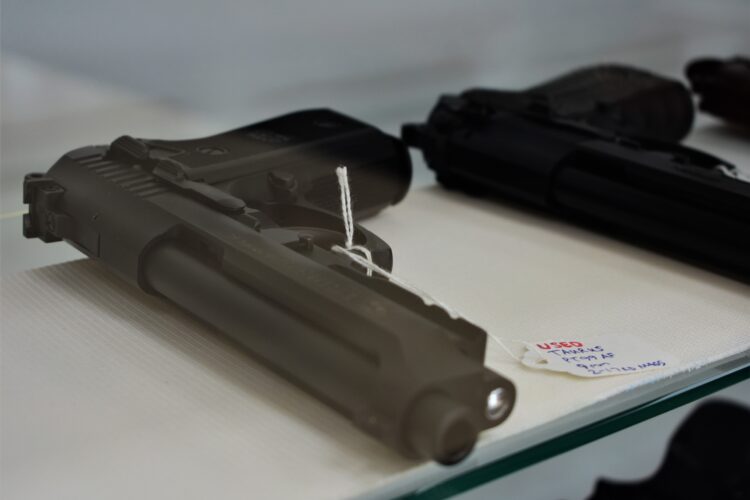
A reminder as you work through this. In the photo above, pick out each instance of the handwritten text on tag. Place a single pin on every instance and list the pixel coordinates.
(600, 357)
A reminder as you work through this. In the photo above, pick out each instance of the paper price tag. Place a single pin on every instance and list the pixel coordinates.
(602, 356)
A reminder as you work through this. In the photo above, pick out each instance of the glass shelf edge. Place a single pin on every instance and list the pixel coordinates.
(579, 437)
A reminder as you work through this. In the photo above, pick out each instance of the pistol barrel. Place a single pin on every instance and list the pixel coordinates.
(434, 408)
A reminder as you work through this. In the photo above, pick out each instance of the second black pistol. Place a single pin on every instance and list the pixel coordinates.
(599, 147)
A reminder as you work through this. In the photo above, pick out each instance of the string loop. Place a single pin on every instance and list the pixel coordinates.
(365, 260)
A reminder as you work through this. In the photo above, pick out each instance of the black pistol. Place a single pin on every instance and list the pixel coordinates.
(600, 147)
(237, 229)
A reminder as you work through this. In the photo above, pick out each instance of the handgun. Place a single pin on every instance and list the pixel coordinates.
(237, 229)
(723, 86)
(598, 147)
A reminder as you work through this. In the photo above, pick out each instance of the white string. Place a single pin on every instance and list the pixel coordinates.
(346, 204)
(500, 342)
(348, 216)
(350, 249)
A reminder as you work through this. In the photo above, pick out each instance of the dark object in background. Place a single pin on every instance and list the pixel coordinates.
(238, 228)
(584, 148)
(621, 99)
(723, 87)
(708, 458)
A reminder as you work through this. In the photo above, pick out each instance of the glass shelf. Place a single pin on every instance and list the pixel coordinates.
(627, 411)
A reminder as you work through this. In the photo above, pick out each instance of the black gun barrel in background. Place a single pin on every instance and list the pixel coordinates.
(621, 99)
(723, 87)
(595, 167)
(237, 230)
